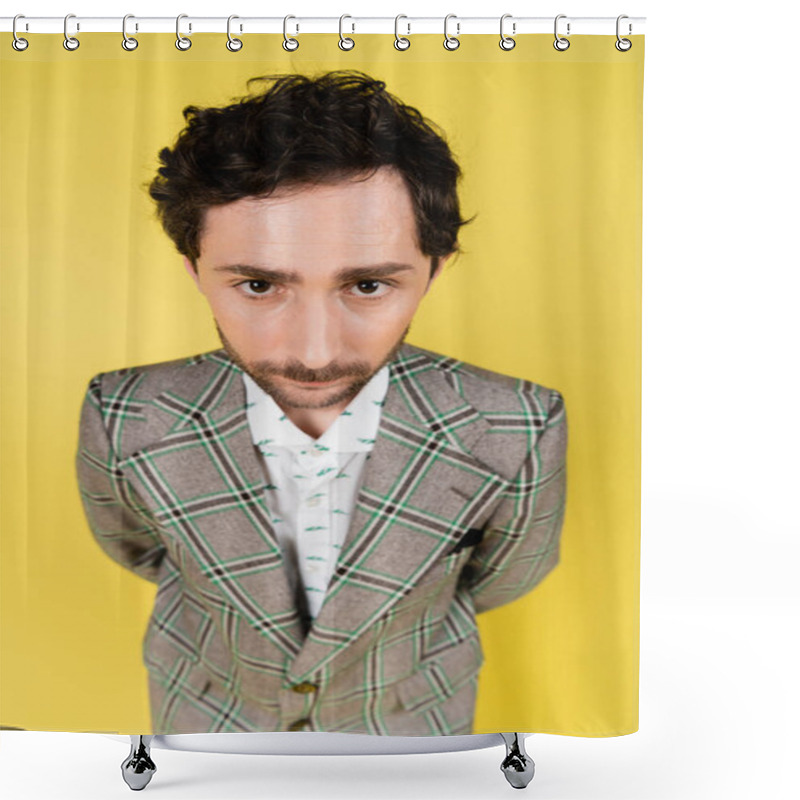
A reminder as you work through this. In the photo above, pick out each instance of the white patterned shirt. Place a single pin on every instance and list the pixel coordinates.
(312, 484)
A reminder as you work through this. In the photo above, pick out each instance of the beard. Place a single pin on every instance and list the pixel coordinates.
(263, 373)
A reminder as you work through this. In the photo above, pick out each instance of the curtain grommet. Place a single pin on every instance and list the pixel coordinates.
(129, 43)
(400, 42)
(345, 42)
(451, 42)
(18, 43)
(289, 44)
(507, 42)
(71, 43)
(233, 44)
(182, 42)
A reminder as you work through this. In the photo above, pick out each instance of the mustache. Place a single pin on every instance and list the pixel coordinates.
(299, 372)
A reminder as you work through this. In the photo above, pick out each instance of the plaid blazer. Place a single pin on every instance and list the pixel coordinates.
(460, 510)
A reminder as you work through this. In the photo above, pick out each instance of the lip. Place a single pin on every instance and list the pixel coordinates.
(314, 384)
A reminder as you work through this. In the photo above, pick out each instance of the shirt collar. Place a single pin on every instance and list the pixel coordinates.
(354, 430)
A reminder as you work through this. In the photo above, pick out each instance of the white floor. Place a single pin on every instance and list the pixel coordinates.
(719, 698)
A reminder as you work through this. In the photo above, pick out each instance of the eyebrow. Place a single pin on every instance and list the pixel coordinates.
(293, 276)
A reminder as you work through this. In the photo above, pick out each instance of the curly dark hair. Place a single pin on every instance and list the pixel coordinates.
(303, 131)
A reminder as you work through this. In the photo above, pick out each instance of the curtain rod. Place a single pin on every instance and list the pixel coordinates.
(407, 26)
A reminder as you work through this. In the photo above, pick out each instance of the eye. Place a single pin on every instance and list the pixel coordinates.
(259, 288)
(371, 288)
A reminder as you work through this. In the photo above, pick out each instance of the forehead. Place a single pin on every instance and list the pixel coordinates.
(351, 219)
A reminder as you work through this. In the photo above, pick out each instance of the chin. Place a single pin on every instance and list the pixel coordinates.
(320, 397)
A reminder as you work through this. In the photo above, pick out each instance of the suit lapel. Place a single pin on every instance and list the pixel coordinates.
(421, 491)
(204, 482)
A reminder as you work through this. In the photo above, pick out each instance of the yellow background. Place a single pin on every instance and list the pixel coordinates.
(548, 288)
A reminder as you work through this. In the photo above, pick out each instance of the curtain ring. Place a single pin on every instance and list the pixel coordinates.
(623, 45)
(289, 44)
(128, 42)
(233, 44)
(345, 42)
(181, 41)
(451, 42)
(506, 42)
(70, 42)
(400, 42)
(18, 43)
(561, 44)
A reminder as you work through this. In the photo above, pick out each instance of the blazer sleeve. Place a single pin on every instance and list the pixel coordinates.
(117, 519)
(520, 545)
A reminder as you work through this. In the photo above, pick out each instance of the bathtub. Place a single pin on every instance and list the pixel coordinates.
(139, 767)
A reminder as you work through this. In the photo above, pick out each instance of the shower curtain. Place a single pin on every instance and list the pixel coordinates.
(545, 288)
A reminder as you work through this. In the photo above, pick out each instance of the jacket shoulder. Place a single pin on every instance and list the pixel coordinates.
(146, 381)
(489, 392)
(128, 400)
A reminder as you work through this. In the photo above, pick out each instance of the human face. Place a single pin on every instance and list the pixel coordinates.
(313, 290)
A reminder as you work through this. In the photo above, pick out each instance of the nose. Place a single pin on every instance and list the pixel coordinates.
(315, 333)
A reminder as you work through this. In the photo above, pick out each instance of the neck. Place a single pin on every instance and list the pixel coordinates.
(314, 421)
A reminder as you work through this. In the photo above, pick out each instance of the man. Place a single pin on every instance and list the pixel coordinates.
(324, 507)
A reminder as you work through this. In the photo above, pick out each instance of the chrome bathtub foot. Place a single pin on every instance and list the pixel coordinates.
(517, 766)
(138, 768)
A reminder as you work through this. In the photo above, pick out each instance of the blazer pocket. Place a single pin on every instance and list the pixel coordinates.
(453, 559)
(472, 537)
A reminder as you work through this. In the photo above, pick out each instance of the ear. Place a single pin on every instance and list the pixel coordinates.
(192, 274)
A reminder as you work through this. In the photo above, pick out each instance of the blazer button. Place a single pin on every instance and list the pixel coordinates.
(305, 688)
(299, 725)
